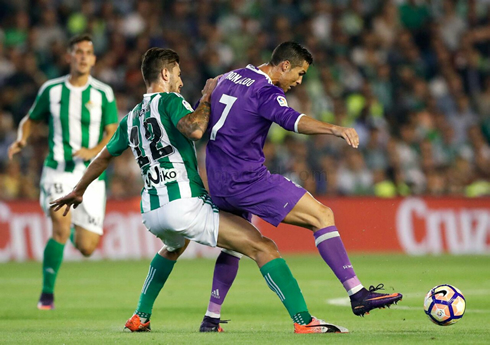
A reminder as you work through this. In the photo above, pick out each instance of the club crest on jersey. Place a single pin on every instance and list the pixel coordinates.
(282, 101)
(91, 105)
(157, 175)
(187, 105)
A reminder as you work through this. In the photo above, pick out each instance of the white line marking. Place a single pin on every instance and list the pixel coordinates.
(345, 302)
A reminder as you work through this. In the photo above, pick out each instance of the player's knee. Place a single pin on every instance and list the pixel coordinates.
(61, 231)
(60, 236)
(171, 255)
(266, 246)
(86, 246)
(86, 250)
(323, 218)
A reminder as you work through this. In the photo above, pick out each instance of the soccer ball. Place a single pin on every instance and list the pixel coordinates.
(444, 305)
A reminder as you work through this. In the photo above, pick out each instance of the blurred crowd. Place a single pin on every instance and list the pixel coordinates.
(413, 78)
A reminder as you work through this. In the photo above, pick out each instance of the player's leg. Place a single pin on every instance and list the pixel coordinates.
(237, 234)
(162, 222)
(85, 241)
(53, 185)
(53, 256)
(311, 214)
(160, 268)
(225, 271)
(88, 219)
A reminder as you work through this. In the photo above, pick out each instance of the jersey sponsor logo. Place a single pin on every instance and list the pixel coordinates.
(187, 105)
(282, 101)
(157, 175)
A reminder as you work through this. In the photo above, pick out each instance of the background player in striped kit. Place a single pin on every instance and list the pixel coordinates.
(82, 116)
(175, 206)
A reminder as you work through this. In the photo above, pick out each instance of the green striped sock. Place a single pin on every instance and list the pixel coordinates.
(160, 269)
(53, 256)
(280, 280)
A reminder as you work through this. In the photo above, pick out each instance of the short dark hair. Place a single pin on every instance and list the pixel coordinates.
(293, 52)
(156, 59)
(77, 39)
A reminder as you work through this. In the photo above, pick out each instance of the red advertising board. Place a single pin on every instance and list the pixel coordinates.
(24, 231)
(411, 225)
(414, 226)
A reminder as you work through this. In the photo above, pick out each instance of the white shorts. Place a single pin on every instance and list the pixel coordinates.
(196, 219)
(90, 213)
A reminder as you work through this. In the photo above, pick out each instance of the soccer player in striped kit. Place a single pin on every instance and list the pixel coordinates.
(82, 116)
(174, 204)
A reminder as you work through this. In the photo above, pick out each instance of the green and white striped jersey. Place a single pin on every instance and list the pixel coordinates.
(166, 157)
(76, 116)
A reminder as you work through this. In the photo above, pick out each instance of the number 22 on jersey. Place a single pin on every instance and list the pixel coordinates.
(153, 133)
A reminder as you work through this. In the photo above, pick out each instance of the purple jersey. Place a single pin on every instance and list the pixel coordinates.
(244, 104)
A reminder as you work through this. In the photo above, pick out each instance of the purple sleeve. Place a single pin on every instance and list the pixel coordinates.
(274, 107)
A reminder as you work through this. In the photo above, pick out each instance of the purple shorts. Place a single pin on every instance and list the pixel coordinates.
(270, 199)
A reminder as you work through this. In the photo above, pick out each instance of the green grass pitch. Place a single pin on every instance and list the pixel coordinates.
(94, 299)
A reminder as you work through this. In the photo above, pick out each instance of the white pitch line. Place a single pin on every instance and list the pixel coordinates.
(345, 302)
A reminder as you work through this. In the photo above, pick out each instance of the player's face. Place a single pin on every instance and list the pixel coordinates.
(293, 76)
(81, 58)
(175, 79)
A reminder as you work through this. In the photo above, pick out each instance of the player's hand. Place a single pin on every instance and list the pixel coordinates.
(348, 134)
(210, 86)
(68, 200)
(16, 147)
(85, 154)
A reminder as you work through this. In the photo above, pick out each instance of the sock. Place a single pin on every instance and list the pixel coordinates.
(53, 256)
(332, 250)
(280, 280)
(160, 269)
(72, 236)
(225, 271)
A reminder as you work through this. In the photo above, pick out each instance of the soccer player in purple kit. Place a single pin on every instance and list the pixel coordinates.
(244, 105)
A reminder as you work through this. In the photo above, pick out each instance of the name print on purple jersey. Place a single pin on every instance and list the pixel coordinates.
(239, 79)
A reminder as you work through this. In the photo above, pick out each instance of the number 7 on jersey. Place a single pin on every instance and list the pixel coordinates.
(228, 101)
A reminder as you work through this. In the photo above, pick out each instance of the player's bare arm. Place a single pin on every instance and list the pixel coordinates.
(87, 154)
(308, 125)
(194, 125)
(24, 132)
(75, 197)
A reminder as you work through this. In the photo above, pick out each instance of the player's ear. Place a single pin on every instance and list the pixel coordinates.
(165, 73)
(286, 66)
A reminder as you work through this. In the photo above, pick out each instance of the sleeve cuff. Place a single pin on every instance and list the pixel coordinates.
(297, 122)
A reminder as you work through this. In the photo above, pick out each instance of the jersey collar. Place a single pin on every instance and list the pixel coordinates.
(256, 70)
(77, 88)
